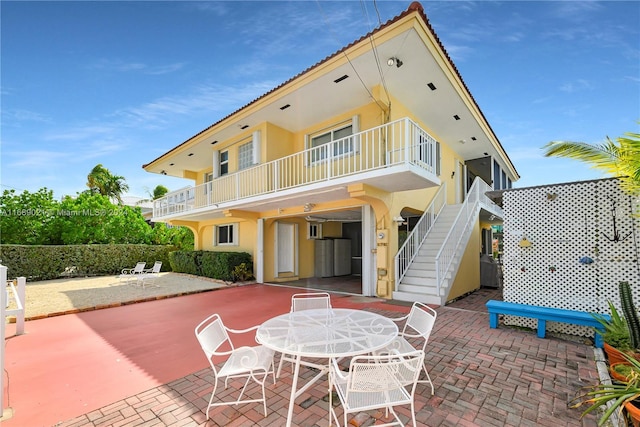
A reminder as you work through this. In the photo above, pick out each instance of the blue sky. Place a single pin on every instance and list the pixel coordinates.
(120, 83)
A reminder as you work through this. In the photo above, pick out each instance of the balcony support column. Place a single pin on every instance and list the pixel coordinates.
(386, 239)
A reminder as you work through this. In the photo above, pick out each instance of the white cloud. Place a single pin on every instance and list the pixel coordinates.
(576, 86)
(126, 67)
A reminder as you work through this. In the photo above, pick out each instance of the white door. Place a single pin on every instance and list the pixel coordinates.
(286, 237)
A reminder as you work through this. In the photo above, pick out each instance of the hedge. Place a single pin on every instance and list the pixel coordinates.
(44, 262)
(216, 265)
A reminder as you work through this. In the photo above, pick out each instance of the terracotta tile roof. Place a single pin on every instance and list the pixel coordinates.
(413, 7)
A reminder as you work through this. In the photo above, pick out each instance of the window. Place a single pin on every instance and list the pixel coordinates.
(496, 176)
(226, 234)
(245, 155)
(341, 146)
(224, 163)
(314, 230)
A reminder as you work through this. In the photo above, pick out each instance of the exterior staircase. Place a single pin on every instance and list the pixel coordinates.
(420, 282)
(428, 261)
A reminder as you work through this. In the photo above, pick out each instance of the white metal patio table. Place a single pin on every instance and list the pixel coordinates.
(324, 334)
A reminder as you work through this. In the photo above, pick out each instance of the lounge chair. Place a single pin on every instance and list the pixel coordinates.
(150, 274)
(129, 274)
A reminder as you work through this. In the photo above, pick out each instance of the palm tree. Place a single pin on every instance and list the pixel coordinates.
(101, 180)
(620, 158)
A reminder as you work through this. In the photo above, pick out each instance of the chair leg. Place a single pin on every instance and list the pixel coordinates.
(213, 393)
(283, 357)
(428, 380)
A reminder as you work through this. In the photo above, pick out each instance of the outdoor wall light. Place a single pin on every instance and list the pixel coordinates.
(399, 220)
(163, 172)
(394, 61)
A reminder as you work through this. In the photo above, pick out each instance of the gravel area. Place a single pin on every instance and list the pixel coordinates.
(63, 296)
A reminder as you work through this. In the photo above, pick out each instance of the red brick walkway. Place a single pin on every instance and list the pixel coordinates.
(483, 377)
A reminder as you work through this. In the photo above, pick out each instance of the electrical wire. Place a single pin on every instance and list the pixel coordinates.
(333, 34)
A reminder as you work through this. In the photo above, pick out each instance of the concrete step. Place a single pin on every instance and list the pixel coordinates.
(412, 297)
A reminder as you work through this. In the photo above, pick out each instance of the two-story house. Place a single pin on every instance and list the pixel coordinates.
(374, 163)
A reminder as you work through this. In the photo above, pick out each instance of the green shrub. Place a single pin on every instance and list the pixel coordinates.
(216, 265)
(45, 262)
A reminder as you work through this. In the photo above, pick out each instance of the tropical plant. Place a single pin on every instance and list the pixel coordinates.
(616, 331)
(100, 180)
(159, 191)
(28, 218)
(630, 314)
(620, 158)
(599, 395)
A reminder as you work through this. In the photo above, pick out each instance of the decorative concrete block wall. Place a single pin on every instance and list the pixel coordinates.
(577, 256)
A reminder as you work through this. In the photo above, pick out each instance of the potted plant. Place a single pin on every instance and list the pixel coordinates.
(622, 395)
(615, 334)
(630, 315)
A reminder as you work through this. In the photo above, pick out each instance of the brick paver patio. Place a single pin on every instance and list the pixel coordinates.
(482, 377)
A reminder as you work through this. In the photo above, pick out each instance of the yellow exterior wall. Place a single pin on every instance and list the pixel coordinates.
(277, 143)
(468, 277)
(246, 236)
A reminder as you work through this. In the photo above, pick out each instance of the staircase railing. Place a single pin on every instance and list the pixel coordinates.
(410, 247)
(462, 226)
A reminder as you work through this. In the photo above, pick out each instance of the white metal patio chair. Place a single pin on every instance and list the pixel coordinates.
(130, 274)
(414, 334)
(305, 301)
(253, 363)
(150, 274)
(376, 382)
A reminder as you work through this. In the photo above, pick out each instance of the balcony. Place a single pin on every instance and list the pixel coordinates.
(397, 156)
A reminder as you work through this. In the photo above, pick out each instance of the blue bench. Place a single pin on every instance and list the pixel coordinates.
(544, 314)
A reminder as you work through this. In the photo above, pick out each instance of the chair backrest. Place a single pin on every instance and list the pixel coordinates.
(387, 377)
(211, 335)
(139, 268)
(420, 322)
(156, 267)
(310, 300)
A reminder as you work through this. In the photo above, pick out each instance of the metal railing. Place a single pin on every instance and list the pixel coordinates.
(395, 143)
(461, 227)
(411, 246)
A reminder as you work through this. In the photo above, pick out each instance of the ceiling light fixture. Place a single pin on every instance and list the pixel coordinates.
(394, 61)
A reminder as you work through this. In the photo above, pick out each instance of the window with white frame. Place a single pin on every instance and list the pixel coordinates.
(245, 155)
(226, 235)
(314, 230)
(342, 145)
(224, 162)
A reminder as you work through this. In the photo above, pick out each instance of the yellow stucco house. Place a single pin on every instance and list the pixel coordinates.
(372, 163)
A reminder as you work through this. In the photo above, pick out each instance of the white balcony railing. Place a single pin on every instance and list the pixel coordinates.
(395, 143)
(461, 228)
